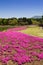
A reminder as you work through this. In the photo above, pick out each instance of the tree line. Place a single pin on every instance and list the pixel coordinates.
(21, 21)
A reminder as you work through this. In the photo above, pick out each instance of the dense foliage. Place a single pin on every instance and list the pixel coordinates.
(21, 21)
(15, 21)
(37, 21)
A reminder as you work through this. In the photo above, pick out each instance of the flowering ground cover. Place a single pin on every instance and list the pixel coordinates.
(19, 47)
(18, 28)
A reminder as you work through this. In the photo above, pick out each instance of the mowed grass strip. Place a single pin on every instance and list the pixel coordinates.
(35, 31)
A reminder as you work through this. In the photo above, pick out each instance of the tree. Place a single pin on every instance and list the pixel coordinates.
(5, 21)
(41, 22)
(13, 22)
(20, 21)
(35, 21)
(0, 21)
(29, 21)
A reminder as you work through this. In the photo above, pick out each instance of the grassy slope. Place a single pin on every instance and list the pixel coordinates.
(36, 31)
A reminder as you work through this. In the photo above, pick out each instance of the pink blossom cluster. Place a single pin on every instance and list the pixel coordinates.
(20, 47)
(18, 28)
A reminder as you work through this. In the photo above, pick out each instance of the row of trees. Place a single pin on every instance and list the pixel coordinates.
(38, 21)
(21, 21)
(15, 21)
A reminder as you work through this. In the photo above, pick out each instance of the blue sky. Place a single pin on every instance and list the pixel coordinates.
(20, 8)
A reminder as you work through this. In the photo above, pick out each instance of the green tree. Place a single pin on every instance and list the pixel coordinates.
(20, 21)
(5, 21)
(29, 21)
(13, 22)
(0, 21)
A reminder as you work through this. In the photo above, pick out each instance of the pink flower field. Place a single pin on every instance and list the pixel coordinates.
(18, 28)
(20, 47)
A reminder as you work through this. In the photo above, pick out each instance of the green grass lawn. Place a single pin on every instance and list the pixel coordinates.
(35, 30)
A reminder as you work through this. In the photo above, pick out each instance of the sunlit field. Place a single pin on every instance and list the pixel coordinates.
(34, 31)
